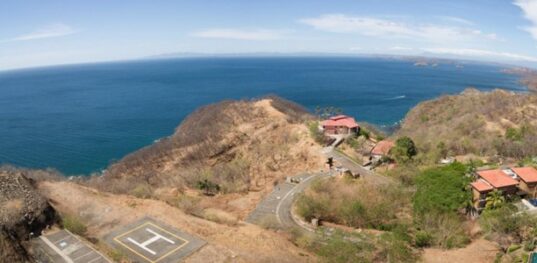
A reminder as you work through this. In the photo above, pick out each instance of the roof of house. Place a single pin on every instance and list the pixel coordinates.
(383, 147)
(527, 174)
(482, 186)
(497, 178)
(341, 120)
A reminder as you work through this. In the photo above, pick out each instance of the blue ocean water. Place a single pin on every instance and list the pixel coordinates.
(80, 118)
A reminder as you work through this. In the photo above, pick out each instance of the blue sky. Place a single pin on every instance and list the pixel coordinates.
(37, 33)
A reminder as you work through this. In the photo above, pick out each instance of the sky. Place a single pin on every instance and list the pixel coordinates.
(37, 33)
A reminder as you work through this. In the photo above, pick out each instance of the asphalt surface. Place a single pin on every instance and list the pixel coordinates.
(277, 206)
(356, 168)
(64, 247)
(148, 240)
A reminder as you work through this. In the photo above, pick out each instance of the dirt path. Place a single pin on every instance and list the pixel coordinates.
(479, 251)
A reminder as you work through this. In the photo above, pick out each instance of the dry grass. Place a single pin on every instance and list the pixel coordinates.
(475, 122)
(354, 203)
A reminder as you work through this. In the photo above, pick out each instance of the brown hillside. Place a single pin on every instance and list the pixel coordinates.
(23, 212)
(242, 146)
(482, 123)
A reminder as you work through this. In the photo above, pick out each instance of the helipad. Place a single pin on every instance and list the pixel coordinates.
(64, 247)
(150, 241)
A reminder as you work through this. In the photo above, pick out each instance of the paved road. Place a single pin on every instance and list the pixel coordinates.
(357, 168)
(276, 207)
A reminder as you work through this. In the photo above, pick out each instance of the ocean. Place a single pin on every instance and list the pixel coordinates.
(80, 118)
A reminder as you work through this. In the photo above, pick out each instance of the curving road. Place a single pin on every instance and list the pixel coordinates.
(277, 206)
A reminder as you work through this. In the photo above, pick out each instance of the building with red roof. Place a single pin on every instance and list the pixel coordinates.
(528, 180)
(521, 181)
(382, 148)
(340, 124)
(489, 180)
(499, 179)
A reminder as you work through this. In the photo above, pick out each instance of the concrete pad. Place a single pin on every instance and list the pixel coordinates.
(148, 240)
(65, 247)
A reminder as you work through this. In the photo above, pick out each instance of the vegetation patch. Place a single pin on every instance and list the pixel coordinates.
(352, 203)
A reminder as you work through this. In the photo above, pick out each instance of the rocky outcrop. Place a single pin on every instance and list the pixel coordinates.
(23, 213)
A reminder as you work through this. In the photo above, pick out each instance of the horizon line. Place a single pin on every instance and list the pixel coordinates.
(268, 54)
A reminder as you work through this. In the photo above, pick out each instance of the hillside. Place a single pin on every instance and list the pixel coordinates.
(473, 122)
(23, 212)
(238, 146)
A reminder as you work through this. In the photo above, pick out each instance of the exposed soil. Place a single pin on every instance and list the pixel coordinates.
(479, 251)
(103, 212)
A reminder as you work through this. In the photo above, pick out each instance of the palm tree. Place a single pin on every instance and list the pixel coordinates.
(495, 199)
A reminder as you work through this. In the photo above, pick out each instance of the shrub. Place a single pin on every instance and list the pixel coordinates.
(315, 133)
(395, 248)
(529, 245)
(270, 222)
(513, 247)
(339, 248)
(74, 224)
(364, 132)
(441, 189)
(188, 204)
(404, 150)
(423, 239)
(507, 221)
(142, 191)
(353, 203)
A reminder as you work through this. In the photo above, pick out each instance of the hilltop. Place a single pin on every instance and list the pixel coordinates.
(473, 122)
(239, 147)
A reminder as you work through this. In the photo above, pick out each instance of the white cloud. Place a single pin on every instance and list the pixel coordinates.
(455, 19)
(529, 8)
(239, 34)
(52, 30)
(378, 27)
(400, 48)
(481, 53)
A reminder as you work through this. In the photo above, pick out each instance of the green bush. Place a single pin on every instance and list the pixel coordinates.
(529, 245)
(315, 133)
(365, 133)
(446, 229)
(395, 247)
(404, 150)
(423, 239)
(513, 247)
(74, 224)
(507, 221)
(441, 189)
(339, 248)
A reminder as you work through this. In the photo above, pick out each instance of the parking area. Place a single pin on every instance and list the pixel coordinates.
(64, 247)
(148, 240)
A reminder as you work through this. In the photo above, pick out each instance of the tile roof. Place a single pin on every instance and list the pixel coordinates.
(482, 186)
(383, 147)
(340, 120)
(527, 174)
(497, 178)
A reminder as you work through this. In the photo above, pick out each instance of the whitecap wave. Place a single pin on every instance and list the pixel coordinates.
(396, 97)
